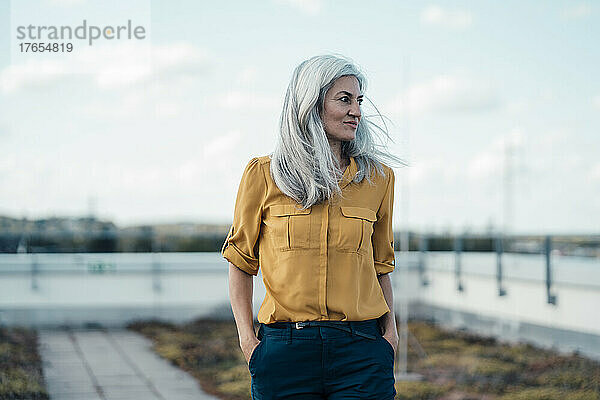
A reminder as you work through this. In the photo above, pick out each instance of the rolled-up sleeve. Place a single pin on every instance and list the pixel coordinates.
(383, 235)
(241, 245)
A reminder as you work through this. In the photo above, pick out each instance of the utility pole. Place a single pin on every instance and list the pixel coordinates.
(509, 192)
(92, 204)
(401, 366)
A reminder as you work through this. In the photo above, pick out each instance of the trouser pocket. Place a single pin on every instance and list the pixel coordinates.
(286, 370)
(253, 356)
(255, 353)
(388, 345)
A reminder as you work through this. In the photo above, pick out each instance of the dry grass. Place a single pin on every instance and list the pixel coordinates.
(21, 374)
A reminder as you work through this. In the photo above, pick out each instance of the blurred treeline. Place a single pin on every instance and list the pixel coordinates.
(89, 235)
(108, 242)
(149, 241)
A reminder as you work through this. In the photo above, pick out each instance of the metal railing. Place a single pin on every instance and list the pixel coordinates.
(499, 243)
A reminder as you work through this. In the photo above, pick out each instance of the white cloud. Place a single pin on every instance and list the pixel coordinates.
(38, 74)
(428, 170)
(436, 15)
(214, 151)
(159, 99)
(518, 106)
(64, 182)
(130, 104)
(486, 163)
(594, 173)
(128, 64)
(65, 3)
(522, 105)
(447, 93)
(239, 100)
(248, 75)
(168, 109)
(310, 7)
(490, 162)
(579, 11)
(7, 164)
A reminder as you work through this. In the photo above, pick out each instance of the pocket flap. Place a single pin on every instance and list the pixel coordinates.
(281, 210)
(359, 212)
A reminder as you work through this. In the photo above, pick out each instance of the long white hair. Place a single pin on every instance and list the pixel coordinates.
(302, 164)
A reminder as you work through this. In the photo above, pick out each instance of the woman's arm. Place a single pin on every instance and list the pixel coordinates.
(240, 296)
(389, 319)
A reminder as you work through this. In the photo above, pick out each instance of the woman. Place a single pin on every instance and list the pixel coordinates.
(316, 217)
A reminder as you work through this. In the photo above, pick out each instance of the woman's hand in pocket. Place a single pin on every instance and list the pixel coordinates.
(248, 347)
(392, 340)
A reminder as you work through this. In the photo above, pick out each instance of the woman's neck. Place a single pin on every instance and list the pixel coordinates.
(336, 149)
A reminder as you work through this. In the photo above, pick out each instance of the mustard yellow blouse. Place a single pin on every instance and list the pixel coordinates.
(320, 263)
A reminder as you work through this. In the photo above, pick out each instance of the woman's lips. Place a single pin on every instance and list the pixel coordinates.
(352, 124)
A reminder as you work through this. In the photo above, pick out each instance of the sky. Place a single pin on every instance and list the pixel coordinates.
(495, 106)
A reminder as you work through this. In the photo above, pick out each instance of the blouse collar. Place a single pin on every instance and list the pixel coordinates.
(349, 173)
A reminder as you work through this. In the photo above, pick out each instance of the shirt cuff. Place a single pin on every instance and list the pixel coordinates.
(383, 268)
(239, 259)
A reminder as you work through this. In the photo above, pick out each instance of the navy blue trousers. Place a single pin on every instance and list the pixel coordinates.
(317, 362)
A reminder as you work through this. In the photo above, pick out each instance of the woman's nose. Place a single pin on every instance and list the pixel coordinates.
(355, 109)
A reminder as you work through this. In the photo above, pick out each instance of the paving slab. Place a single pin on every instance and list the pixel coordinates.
(110, 364)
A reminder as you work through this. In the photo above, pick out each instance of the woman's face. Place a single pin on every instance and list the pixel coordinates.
(341, 109)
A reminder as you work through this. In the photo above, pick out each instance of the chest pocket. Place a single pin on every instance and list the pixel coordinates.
(356, 228)
(292, 227)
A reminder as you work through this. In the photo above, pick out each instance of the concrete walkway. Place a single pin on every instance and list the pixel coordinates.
(110, 365)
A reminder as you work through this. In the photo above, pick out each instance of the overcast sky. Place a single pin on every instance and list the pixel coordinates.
(159, 130)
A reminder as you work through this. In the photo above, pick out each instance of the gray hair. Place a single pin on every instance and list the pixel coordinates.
(302, 164)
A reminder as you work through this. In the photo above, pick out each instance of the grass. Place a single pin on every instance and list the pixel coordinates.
(457, 365)
(21, 374)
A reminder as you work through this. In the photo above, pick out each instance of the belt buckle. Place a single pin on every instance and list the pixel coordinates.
(300, 325)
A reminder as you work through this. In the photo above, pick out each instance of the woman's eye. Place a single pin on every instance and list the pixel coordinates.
(360, 101)
(345, 99)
